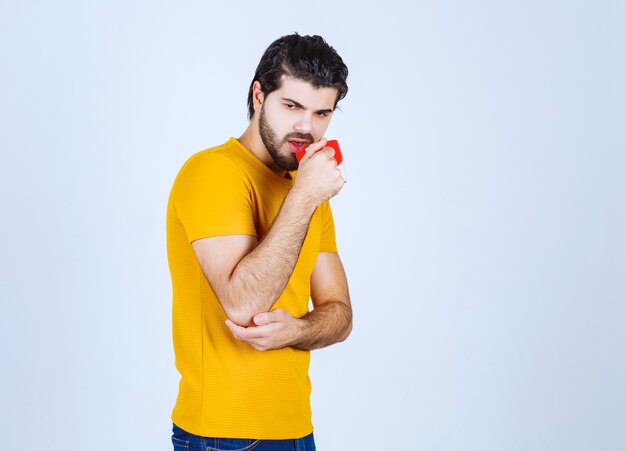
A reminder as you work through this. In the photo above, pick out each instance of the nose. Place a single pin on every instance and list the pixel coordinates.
(304, 123)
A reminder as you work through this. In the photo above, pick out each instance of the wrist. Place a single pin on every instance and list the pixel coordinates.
(297, 331)
(301, 200)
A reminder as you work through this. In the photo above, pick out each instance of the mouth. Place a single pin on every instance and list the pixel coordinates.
(297, 145)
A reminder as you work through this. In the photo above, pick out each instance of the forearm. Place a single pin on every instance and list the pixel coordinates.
(327, 324)
(261, 276)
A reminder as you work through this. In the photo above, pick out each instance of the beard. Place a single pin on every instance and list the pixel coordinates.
(273, 144)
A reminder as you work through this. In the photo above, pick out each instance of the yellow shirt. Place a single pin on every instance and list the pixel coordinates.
(228, 388)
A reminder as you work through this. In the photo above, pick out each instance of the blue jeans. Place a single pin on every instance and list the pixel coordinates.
(185, 441)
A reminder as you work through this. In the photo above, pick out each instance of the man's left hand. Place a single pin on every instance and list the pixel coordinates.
(272, 330)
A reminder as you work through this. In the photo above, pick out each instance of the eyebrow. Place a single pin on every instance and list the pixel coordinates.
(299, 105)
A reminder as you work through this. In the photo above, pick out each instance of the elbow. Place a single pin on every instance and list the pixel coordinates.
(241, 304)
(235, 310)
(243, 315)
(348, 329)
(240, 317)
(346, 332)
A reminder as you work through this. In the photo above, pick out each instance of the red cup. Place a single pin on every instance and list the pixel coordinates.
(330, 143)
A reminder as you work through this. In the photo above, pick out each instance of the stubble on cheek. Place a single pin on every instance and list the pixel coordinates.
(284, 159)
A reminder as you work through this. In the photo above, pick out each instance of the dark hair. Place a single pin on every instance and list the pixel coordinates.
(308, 58)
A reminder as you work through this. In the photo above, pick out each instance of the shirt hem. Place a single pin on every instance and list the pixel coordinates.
(242, 434)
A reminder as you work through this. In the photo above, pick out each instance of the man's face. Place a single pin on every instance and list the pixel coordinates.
(292, 117)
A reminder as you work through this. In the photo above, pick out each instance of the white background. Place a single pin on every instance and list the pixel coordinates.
(483, 227)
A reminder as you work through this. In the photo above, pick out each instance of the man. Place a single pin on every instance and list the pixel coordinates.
(249, 240)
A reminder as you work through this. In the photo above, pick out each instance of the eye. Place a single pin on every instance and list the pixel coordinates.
(291, 106)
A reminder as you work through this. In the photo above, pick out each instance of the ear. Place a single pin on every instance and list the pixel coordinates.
(257, 95)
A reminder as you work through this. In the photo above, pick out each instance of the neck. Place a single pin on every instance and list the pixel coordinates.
(251, 140)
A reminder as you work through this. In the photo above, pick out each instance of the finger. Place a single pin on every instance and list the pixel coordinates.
(236, 329)
(280, 314)
(343, 175)
(330, 151)
(267, 317)
(258, 332)
(314, 147)
(261, 319)
(318, 145)
(306, 156)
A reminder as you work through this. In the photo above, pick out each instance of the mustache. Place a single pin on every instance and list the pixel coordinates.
(307, 137)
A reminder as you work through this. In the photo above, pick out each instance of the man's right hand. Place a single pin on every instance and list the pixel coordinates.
(318, 177)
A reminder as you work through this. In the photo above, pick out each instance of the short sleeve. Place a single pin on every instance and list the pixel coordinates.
(327, 242)
(211, 198)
